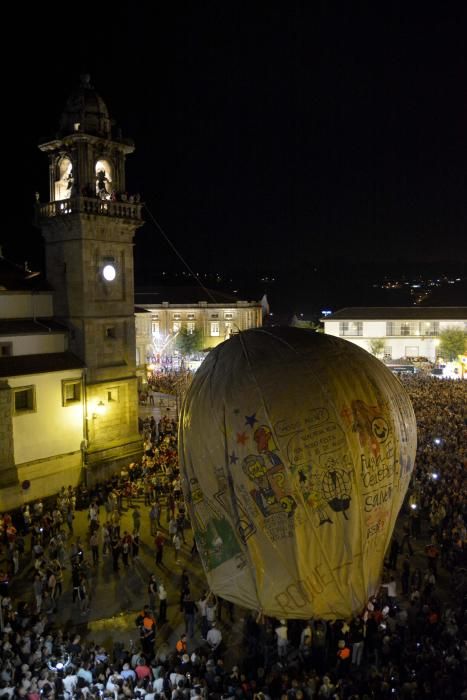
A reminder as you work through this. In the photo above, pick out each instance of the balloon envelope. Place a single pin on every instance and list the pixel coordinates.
(296, 450)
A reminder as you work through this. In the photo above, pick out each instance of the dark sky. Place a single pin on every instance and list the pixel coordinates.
(268, 135)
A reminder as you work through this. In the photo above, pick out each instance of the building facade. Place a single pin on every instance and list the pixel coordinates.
(407, 332)
(75, 343)
(89, 230)
(162, 313)
(42, 410)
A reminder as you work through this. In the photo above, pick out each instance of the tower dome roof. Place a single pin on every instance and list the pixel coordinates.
(86, 108)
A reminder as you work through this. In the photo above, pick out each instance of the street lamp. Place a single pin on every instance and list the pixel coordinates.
(99, 410)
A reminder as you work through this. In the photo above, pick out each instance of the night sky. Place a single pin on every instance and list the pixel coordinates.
(269, 136)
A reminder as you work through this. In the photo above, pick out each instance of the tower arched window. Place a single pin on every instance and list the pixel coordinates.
(104, 177)
(63, 178)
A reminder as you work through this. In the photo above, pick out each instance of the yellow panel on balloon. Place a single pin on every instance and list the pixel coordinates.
(296, 451)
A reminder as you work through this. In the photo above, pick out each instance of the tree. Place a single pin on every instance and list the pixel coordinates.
(188, 343)
(377, 346)
(452, 342)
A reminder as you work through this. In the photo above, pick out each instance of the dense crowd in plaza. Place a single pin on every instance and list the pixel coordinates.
(410, 641)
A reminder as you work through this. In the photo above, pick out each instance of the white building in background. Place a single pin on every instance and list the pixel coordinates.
(411, 331)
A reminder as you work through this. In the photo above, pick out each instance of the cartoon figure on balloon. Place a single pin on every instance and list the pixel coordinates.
(270, 494)
(215, 536)
(372, 428)
(336, 485)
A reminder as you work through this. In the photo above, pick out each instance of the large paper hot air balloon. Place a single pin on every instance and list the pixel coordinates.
(296, 451)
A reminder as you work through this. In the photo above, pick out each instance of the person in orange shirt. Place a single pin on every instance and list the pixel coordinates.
(181, 645)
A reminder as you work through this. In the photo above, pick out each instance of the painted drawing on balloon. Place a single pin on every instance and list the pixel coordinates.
(213, 532)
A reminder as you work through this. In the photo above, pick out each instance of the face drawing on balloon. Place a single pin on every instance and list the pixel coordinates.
(371, 427)
(264, 440)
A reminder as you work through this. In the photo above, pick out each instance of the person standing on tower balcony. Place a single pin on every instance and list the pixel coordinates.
(101, 185)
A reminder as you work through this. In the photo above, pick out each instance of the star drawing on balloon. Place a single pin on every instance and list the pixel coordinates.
(241, 438)
(251, 420)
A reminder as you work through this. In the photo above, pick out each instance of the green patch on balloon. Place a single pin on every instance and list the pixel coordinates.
(217, 543)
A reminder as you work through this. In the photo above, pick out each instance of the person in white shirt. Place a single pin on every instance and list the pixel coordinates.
(158, 685)
(162, 593)
(175, 677)
(177, 543)
(214, 637)
(112, 683)
(282, 641)
(391, 587)
(70, 681)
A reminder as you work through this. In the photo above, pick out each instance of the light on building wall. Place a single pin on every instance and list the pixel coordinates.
(109, 272)
(99, 410)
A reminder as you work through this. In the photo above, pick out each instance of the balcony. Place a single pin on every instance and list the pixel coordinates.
(92, 206)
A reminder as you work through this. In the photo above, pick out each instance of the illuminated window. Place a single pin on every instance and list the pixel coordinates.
(71, 391)
(24, 398)
(405, 329)
(214, 328)
(6, 349)
(155, 327)
(191, 327)
(351, 328)
(176, 326)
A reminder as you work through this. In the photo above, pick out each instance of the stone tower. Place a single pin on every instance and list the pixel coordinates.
(88, 225)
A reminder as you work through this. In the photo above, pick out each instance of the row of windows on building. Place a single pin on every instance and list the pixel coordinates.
(393, 328)
(24, 397)
(214, 327)
(228, 316)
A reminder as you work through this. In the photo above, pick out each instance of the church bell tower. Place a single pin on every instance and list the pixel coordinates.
(89, 225)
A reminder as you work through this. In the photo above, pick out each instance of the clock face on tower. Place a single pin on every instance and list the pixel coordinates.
(109, 272)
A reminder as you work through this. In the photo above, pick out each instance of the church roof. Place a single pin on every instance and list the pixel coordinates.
(86, 108)
(23, 365)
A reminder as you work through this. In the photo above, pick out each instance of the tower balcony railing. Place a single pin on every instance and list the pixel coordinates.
(91, 205)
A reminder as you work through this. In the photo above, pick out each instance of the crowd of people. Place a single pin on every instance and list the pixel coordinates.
(168, 381)
(409, 642)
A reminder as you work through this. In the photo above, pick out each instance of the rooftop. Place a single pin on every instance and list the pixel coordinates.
(26, 326)
(19, 365)
(400, 313)
(183, 295)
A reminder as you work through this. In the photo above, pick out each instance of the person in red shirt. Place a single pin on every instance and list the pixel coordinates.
(142, 669)
(159, 542)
